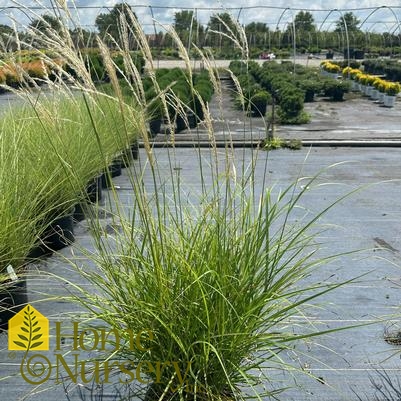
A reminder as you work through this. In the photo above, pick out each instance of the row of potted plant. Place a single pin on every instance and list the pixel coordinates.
(19, 69)
(375, 87)
(331, 69)
(270, 78)
(390, 68)
(176, 97)
(49, 152)
(290, 85)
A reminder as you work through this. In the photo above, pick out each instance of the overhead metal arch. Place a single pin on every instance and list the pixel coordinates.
(380, 8)
(345, 26)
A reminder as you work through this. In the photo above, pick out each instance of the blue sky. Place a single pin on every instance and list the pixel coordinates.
(268, 11)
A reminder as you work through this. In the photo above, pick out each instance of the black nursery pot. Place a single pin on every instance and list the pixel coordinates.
(155, 127)
(94, 190)
(115, 168)
(114, 171)
(258, 109)
(126, 158)
(58, 235)
(79, 213)
(135, 150)
(192, 120)
(12, 299)
(181, 124)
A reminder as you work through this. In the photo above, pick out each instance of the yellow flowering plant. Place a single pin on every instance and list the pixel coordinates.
(346, 71)
(363, 79)
(379, 84)
(354, 73)
(392, 88)
(370, 79)
(331, 67)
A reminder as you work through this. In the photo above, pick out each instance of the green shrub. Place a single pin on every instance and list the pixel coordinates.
(155, 106)
(258, 102)
(335, 89)
(310, 87)
(301, 118)
(291, 101)
(95, 66)
(278, 143)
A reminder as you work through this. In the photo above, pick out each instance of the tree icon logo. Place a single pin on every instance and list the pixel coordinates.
(28, 330)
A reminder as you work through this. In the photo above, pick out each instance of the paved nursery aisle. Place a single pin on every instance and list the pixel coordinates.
(370, 219)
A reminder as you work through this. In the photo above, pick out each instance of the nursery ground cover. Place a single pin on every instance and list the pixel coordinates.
(369, 219)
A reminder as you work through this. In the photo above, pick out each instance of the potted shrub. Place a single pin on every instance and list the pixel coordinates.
(203, 92)
(291, 101)
(310, 87)
(333, 69)
(380, 85)
(182, 98)
(346, 72)
(336, 89)
(13, 297)
(258, 103)
(363, 81)
(391, 89)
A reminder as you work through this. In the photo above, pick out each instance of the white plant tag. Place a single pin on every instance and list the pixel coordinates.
(11, 273)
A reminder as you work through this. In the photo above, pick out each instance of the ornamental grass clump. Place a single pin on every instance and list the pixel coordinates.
(64, 148)
(19, 201)
(48, 153)
(215, 284)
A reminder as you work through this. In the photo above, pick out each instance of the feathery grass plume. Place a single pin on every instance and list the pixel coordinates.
(237, 35)
(133, 77)
(137, 32)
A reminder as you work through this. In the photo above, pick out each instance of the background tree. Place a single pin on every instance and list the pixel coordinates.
(352, 23)
(46, 24)
(186, 24)
(83, 38)
(7, 38)
(257, 34)
(305, 28)
(221, 23)
(109, 24)
(304, 22)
